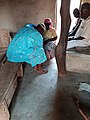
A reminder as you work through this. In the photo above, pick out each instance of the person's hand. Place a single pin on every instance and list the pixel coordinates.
(69, 39)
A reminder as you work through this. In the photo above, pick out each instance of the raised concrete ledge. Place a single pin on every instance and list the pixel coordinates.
(78, 62)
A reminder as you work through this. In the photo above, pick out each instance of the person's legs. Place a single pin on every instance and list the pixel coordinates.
(48, 54)
(50, 50)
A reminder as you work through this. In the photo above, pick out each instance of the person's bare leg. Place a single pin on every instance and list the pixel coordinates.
(48, 54)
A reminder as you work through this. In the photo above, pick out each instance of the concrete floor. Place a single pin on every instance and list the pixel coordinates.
(45, 96)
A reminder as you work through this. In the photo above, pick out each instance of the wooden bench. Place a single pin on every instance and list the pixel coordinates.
(8, 84)
(8, 75)
(2, 56)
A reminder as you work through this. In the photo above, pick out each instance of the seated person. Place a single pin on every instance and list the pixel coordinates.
(76, 14)
(83, 33)
(49, 36)
(27, 46)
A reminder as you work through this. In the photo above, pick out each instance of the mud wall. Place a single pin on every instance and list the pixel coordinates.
(15, 13)
(86, 1)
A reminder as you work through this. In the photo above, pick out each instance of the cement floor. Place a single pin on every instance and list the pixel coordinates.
(45, 96)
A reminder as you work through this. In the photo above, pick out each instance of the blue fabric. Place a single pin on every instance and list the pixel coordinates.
(27, 46)
(30, 25)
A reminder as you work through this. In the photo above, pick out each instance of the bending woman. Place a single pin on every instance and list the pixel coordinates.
(27, 46)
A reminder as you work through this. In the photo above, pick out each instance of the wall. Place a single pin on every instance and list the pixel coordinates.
(15, 13)
(86, 1)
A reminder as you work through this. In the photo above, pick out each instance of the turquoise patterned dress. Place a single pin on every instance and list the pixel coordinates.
(27, 46)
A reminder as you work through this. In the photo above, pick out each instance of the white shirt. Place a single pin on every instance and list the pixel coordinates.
(84, 30)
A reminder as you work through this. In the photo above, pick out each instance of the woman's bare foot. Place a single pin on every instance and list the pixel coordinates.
(42, 71)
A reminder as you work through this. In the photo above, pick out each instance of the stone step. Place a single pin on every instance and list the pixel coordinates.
(78, 62)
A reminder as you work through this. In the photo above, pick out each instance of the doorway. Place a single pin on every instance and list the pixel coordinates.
(74, 4)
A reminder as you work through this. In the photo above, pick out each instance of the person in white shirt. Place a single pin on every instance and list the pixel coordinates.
(83, 33)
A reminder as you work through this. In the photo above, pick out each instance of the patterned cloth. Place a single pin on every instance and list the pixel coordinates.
(50, 46)
(48, 34)
(27, 46)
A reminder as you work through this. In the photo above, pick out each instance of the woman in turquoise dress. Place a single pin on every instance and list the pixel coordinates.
(27, 46)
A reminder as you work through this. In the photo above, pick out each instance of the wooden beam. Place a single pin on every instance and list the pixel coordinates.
(61, 47)
(8, 84)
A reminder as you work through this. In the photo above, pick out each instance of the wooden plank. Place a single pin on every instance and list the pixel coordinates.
(2, 55)
(8, 83)
(4, 113)
(4, 38)
(10, 91)
(20, 71)
(7, 75)
(4, 59)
